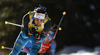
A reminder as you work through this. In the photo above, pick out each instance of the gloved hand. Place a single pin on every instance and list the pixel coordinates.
(37, 36)
(31, 30)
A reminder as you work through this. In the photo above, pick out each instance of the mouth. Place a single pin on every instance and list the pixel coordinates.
(37, 25)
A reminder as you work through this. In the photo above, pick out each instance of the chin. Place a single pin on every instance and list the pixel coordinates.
(37, 25)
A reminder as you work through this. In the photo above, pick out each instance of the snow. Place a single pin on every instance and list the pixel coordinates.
(79, 50)
(97, 50)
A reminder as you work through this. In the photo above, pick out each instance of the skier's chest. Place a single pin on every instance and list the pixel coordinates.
(38, 29)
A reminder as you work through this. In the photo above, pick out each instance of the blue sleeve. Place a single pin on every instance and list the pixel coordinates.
(51, 34)
(53, 47)
(28, 45)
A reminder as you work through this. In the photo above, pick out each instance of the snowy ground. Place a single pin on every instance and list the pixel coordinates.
(79, 50)
(71, 50)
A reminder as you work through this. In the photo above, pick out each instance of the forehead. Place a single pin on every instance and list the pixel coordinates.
(38, 18)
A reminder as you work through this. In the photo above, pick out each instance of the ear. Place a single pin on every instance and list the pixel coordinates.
(34, 18)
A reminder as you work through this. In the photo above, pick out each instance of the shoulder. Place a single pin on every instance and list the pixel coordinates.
(25, 19)
(47, 22)
(31, 13)
(47, 17)
(26, 15)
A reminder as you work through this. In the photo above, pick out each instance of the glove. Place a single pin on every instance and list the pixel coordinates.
(37, 35)
(32, 30)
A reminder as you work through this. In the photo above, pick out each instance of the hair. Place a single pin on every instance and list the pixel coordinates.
(40, 10)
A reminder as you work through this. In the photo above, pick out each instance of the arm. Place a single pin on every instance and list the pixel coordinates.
(25, 22)
(46, 42)
(47, 28)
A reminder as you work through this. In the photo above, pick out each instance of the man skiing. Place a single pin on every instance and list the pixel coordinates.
(36, 24)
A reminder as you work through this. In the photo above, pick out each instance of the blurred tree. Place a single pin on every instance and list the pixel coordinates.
(80, 26)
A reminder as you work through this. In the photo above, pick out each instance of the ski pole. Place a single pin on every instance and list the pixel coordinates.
(6, 22)
(64, 13)
(3, 47)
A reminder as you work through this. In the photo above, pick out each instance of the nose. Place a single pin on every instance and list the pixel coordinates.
(38, 21)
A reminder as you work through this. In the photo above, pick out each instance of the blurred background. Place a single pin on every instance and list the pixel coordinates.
(80, 26)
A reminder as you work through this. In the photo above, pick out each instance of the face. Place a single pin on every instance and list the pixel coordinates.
(38, 22)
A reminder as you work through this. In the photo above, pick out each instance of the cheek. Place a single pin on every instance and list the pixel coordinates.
(35, 21)
(41, 21)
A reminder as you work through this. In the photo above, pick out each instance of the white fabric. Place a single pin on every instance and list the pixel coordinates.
(28, 54)
(39, 15)
(42, 25)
